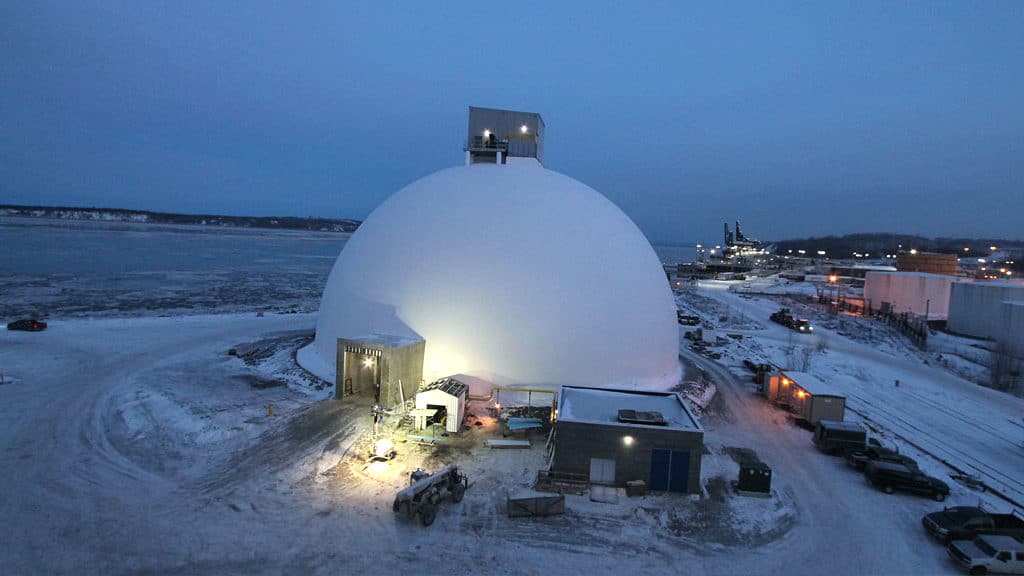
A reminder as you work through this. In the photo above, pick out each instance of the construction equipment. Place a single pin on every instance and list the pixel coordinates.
(426, 490)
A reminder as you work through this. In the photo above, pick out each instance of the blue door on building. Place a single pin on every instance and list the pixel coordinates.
(670, 470)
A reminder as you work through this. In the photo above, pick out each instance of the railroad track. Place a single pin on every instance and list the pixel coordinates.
(1004, 486)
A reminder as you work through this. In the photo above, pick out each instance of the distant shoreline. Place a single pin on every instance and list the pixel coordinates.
(146, 216)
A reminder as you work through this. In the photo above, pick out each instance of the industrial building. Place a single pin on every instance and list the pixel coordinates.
(927, 262)
(976, 308)
(919, 293)
(498, 268)
(386, 368)
(618, 436)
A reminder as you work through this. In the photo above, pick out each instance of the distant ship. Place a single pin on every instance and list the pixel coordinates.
(739, 247)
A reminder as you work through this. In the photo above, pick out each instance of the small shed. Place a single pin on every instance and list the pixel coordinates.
(447, 397)
(755, 476)
(812, 399)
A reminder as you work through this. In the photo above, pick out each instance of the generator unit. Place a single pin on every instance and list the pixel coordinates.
(754, 477)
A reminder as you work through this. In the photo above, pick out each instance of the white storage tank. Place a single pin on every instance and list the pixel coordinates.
(975, 308)
(919, 293)
(1011, 329)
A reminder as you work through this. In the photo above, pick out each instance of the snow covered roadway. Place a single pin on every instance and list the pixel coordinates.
(960, 426)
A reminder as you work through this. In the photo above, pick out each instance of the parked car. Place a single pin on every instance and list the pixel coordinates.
(968, 522)
(28, 325)
(859, 458)
(989, 553)
(890, 476)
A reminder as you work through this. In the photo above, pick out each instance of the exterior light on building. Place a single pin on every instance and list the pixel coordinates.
(967, 248)
(993, 248)
(487, 134)
(833, 279)
(367, 362)
(801, 393)
(627, 440)
(913, 251)
(821, 252)
(524, 129)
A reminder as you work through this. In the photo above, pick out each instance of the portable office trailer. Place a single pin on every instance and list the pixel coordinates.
(448, 397)
(617, 436)
(776, 388)
(812, 399)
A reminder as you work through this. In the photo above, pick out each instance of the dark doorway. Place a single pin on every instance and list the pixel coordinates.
(670, 470)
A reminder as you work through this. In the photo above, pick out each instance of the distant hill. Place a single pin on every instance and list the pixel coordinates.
(880, 243)
(119, 215)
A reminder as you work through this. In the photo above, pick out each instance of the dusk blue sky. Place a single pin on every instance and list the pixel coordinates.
(795, 118)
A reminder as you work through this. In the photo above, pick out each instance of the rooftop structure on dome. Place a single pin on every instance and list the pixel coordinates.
(498, 136)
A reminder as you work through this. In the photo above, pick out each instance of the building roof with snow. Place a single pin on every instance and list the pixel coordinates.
(812, 384)
(606, 406)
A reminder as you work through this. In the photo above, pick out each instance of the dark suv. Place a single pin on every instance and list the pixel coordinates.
(859, 458)
(890, 476)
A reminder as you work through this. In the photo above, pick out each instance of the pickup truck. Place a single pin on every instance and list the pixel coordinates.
(967, 522)
(859, 458)
(984, 554)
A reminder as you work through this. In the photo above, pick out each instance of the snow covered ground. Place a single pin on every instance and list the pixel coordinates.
(144, 444)
(141, 445)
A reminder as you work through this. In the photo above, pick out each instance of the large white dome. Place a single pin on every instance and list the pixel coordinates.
(514, 274)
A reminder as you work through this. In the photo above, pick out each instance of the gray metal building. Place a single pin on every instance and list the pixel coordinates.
(616, 436)
(387, 369)
(495, 136)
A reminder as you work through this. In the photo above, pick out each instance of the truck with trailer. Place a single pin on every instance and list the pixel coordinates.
(784, 317)
(967, 522)
(989, 553)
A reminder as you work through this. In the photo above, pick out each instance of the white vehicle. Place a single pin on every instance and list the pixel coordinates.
(989, 554)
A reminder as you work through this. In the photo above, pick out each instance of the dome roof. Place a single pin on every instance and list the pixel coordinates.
(514, 274)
